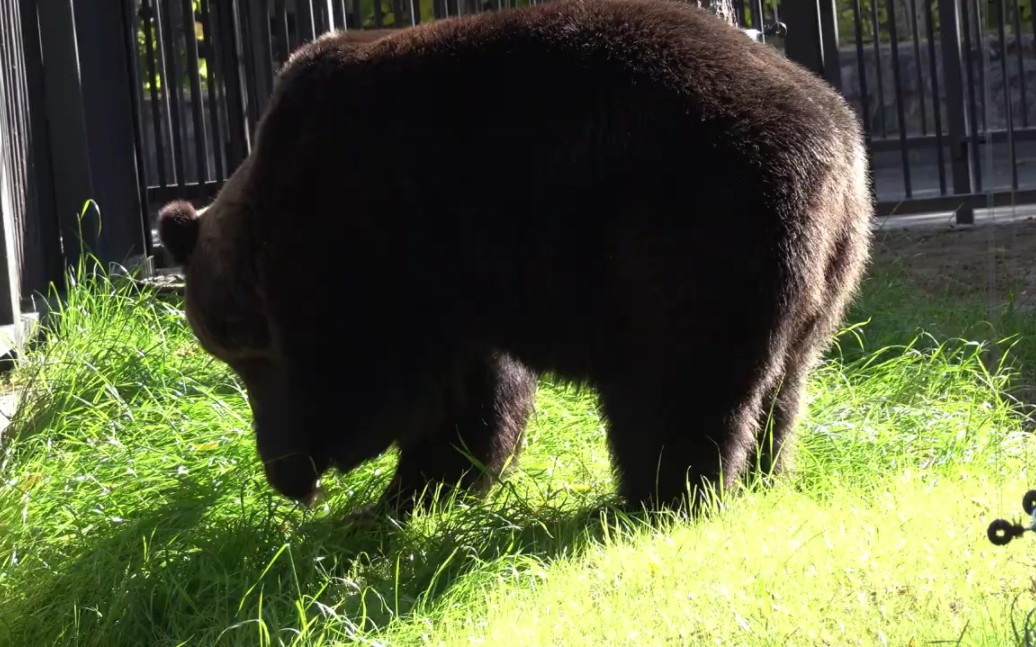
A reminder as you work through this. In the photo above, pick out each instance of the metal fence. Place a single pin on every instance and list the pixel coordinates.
(134, 102)
(19, 238)
(918, 71)
(946, 89)
(206, 70)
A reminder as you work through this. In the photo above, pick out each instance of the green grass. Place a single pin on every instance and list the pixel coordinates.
(133, 511)
(898, 312)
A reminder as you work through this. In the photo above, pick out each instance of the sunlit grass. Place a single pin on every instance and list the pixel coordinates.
(133, 511)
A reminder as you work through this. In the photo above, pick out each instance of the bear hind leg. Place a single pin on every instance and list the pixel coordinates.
(672, 441)
(781, 409)
(784, 403)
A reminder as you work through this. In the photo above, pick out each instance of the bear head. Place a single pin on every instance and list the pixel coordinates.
(225, 306)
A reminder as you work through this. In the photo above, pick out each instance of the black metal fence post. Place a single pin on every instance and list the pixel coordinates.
(257, 51)
(227, 48)
(44, 227)
(35, 236)
(960, 161)
(90, 113)
(12, 171)
(812, 39)
(136, 94)
(829, 34)
(67, 122)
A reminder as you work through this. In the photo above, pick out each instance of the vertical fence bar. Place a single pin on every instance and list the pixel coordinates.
(828, 27)
(107, 96)
(328, 10)
(980, 47)
(876, 32)
(805, 45)
(43, 229)
(280, 16)
(357, 14)
(1032, 20)
(306, 27)
(66, 120)
(917, 65)
(246, 65)
(327, 15)
(291, 19)
(904, 146)
(247, 60)
(136, 98)
(814, 44)
(147, 17)
(213, 68)
(936, 101)
(1019, 46)
(225, 17)
(12, 181)
(320, 18)
(201, 152)
(340, 16)
(262, 52)
(962, 169)
(23, 166)
(973, 110)
(89, 98)
(865, 103)
(171, 88)
(1001, 29)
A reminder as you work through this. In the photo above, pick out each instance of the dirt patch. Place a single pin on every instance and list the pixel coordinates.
(988, 264)
(973, 262)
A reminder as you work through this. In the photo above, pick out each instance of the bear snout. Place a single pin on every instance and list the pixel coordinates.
(295, 476)
(288, 460)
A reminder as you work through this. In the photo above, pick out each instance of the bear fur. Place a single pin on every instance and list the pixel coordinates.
(627, 194)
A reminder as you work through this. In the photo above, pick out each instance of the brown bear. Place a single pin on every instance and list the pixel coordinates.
(626, 194)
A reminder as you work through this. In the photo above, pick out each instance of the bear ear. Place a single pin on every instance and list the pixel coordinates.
(178, 227)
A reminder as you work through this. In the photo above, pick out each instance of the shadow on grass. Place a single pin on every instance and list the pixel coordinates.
(204, 566)
(193, 561)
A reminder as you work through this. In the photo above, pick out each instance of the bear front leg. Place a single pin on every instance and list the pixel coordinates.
(487, 422)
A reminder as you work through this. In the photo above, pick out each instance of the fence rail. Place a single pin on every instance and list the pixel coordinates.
(136, 102)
